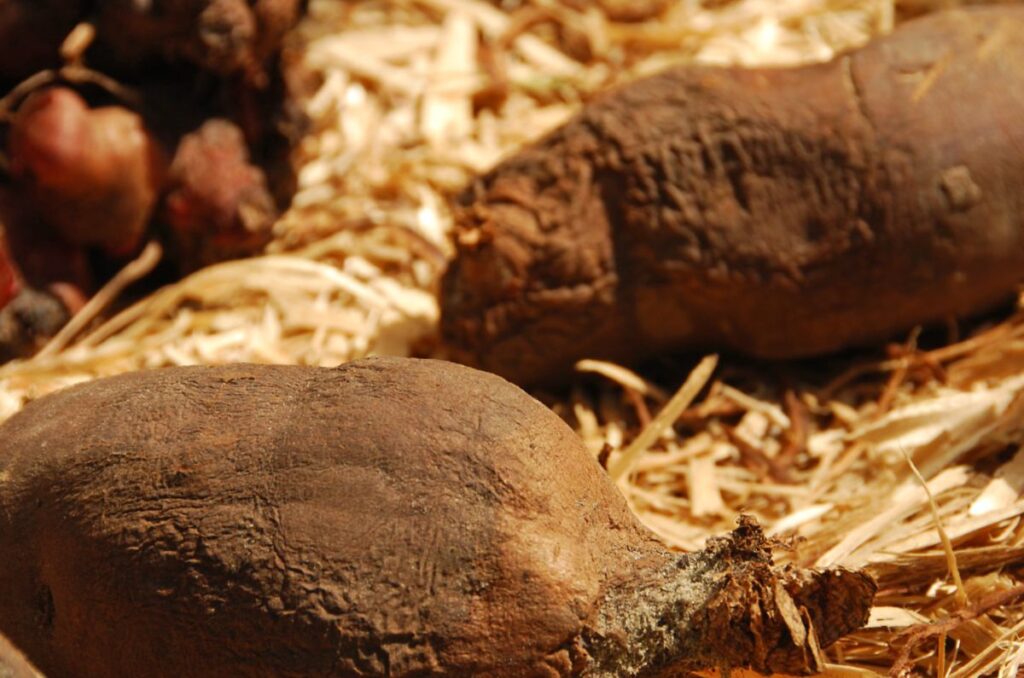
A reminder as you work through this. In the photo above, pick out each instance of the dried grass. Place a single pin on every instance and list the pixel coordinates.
(411, 98)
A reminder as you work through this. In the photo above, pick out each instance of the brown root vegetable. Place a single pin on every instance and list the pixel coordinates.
(775, 212)
(226, 37)
(392, 517)
(13, 663)
(94, 175)
(218, 205)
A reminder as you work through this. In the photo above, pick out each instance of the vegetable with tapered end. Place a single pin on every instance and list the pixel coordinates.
(391, 517)
(774, 212)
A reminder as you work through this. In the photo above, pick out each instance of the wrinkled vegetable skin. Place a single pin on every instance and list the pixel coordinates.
(776, 212)
(391, 517)
(287, 521)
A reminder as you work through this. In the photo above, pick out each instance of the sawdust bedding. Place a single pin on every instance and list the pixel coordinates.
(907, 463)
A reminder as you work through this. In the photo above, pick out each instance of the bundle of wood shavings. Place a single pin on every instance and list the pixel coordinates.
(909, 464)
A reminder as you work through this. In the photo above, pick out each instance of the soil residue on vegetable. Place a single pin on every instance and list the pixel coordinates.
(779, 213)
(279, 520)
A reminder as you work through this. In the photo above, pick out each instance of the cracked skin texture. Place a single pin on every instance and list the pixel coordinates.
(169, 526)
(391, 517)
(775, 212)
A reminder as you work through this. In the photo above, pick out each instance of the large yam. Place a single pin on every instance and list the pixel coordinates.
(387, 518)
(776, 212)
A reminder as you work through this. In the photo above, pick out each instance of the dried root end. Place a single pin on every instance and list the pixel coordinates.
(729, 607)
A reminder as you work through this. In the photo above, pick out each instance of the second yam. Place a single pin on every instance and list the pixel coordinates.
(775, 212)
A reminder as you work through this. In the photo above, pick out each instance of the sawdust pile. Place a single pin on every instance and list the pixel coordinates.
(909, 463)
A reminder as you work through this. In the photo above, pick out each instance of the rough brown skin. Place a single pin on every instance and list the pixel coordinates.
(778, 213)
(13, 663)
(218, 205)
(93, 175)
(392, 517)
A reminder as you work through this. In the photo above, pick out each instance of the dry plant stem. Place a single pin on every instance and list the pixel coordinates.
(334, 543)
(71, 74)
(962, 599)
(78, 41)
(623, 376)
(920, 633)
(892, 385)
(940, 656)
(133, 271)
(751, 616)
(795, 436)
(665, 418)
(13, 663)
(992, 657)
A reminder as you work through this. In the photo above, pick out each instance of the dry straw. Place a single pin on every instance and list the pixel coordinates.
(411, 98)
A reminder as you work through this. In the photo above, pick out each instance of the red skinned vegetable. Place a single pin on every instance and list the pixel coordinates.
(93, 175)
(218, 204)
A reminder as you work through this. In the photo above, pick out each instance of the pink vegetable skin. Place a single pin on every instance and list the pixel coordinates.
(218, 204)
(93, 174)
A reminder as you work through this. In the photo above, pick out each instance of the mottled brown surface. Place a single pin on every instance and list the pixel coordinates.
(13, 663)
(778, 213)
(217, 204)
(387, 518)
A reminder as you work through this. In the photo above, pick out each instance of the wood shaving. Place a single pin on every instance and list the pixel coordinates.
(411, 99)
